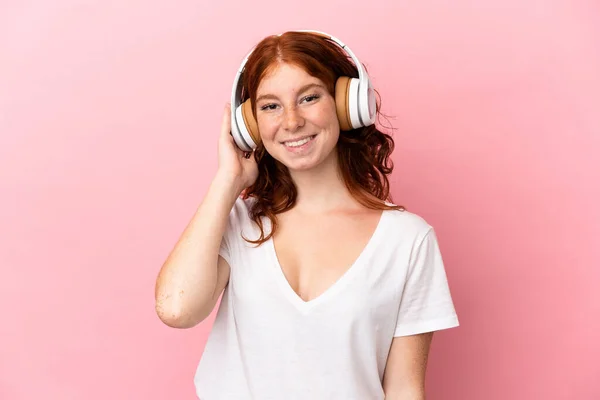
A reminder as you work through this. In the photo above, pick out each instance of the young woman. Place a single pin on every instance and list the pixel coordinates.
(330, 291)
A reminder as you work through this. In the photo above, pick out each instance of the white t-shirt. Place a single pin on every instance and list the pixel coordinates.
(267, 343)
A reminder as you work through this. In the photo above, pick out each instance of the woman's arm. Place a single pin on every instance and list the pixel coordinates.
(194, 275)
(404, 377)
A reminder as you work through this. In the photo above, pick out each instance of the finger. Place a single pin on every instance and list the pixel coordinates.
(226, 136)
(226, 121)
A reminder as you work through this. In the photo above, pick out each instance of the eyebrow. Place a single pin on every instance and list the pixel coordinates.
(302, 89)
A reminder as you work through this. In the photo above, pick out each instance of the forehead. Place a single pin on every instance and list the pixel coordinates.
(284, 77)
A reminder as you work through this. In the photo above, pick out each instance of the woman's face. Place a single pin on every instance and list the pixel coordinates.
(296, 118)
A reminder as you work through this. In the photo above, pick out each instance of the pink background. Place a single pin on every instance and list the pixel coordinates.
(109, 115)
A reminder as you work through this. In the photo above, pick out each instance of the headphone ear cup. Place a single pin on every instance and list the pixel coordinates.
(342, 89)
(250, 121)
(368, 104)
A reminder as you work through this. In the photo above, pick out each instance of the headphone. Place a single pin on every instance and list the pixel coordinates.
(354, 99)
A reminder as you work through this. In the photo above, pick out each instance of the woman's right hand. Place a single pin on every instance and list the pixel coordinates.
(233, 165)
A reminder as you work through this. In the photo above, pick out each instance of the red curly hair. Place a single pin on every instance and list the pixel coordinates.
(363, 153)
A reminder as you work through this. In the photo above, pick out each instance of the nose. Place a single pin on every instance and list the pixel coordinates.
(293, 119)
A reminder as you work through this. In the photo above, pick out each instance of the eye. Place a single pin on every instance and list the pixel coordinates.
(311, 98)
(268, 107)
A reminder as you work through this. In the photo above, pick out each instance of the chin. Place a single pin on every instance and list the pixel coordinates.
(305, 163)
(296, 163)
(300, 165)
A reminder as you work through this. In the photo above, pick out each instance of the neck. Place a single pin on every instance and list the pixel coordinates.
(321, 189)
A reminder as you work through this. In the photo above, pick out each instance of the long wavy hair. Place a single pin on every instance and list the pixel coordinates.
(363, 153)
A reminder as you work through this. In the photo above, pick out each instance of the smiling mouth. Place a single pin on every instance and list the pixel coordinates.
(299, 142)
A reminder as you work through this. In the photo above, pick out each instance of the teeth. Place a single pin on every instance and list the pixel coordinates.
(299, 142)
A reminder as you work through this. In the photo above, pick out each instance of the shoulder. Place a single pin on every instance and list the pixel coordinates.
(240, 216)
(241, 211)
(242, 207)
(403, 225)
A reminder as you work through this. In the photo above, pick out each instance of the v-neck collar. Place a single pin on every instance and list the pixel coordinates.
(339, 284)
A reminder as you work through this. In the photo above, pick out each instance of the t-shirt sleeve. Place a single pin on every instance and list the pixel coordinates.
(224, 249)
(232, 231)
(426, 304)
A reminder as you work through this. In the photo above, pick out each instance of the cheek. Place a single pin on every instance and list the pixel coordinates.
(327, 116)
(267, 127)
